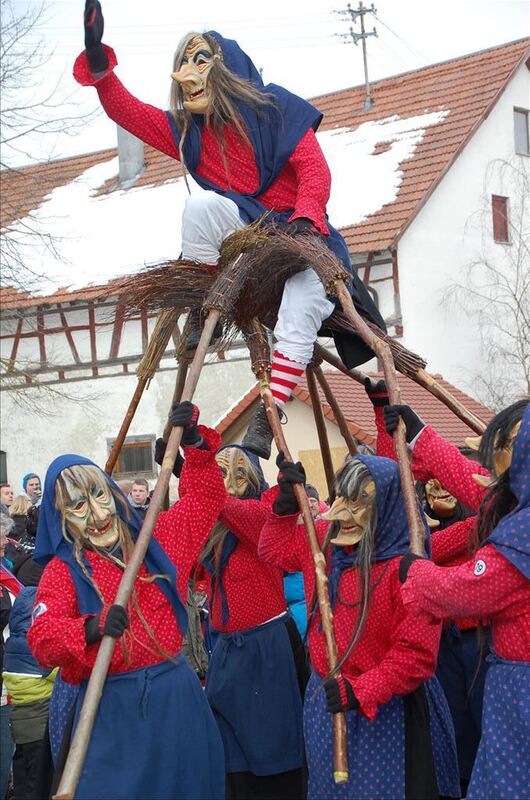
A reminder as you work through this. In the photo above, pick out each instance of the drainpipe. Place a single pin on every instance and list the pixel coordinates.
(130, 158)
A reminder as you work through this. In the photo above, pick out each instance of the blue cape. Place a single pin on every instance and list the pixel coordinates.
(392, 534)
(511, 536)
(50, 542)
(231, 541)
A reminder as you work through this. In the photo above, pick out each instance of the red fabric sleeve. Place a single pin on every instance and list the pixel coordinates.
(57, 634)
(434, 457)
(148, 123)
(410, 660)
(452, 542)
(385, 443)
(314, 181)
(183, 530)
(245, 518)
(482, 587)
(278, 543)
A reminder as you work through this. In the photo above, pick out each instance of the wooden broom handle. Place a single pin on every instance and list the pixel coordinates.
(340, 751)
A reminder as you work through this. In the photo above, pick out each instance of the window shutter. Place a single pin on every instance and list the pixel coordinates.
(499, 208)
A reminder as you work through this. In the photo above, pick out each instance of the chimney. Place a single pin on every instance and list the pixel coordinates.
(130, 158)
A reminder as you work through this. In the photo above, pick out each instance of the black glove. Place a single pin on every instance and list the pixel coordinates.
(336, 703)
(376, 391)
(93, 20)
(32, 521)
(405, 564)
(286, 502)
(186, 415)
(413, 423)
(115, 623)
(160, 451)
(301, 225)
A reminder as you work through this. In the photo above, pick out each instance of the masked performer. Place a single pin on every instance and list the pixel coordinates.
(495, 583)
(257, 664)
(400, 739)
(154, 734)
(461, 666)
(253, 149)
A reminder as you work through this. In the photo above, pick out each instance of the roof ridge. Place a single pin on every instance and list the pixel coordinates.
(422, 69)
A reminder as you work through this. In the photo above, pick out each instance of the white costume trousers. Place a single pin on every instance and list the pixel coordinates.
(207, 220)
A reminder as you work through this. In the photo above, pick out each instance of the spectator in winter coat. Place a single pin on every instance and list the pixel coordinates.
(30, 688)
(6, 495)
(138, 497)
(10, 587)
(19, 514)
(32, 486)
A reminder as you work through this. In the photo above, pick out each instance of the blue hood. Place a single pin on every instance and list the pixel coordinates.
(50, 542)
(511, 537)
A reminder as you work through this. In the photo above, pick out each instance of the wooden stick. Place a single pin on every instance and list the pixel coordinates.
(322, 432)
(431, 384)
(81, 738)
(382, 351)
(337, 413)
(180, 382)
(125, 425)
(331, 358)
(146, 369)
(340, 751)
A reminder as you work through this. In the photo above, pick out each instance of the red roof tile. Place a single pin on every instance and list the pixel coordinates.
(358, 410)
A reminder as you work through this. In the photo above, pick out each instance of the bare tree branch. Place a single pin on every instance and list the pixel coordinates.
(495, 289)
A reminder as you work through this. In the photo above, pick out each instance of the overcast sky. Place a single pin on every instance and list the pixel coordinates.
(296, 43)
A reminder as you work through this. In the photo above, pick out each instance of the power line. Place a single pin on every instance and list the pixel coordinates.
(401, 39)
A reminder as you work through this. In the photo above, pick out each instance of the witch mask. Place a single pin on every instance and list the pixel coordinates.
(501, 457)
(353, 514)
(440, 501)
(192, 75)
(87, 506)
(238, 473)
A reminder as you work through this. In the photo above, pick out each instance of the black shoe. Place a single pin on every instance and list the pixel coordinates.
(196, 324)
(258, 437)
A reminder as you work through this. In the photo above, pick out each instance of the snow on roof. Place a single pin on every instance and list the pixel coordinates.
(101, 237)
(98, 237)
(365, 177)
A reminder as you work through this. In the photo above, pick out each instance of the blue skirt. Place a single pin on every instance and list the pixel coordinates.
(376, 750)
(252, 687)
(61, 702)
(502, 766)
(154, 737)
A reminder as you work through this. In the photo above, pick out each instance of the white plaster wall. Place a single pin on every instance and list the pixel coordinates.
(83, 424)
(446, 235)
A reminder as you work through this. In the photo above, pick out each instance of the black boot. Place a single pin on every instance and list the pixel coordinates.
(195, 326)
(258, 437)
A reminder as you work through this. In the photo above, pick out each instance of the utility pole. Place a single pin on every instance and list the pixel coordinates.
(362, 36)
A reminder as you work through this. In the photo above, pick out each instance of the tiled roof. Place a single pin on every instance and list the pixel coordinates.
(357, 409)
(466, 87)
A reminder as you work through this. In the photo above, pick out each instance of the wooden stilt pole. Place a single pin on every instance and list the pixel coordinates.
(337, 413)
(326, 355)
(382, 351)
(146, 369)
(322, 432)
(257, 342)
(81, 739)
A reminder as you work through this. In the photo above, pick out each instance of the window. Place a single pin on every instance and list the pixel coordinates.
(3, 467)
(136, 458)
(499, 209)
(520, 129)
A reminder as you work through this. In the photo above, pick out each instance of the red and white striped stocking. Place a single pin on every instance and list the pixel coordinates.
(285, 377)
